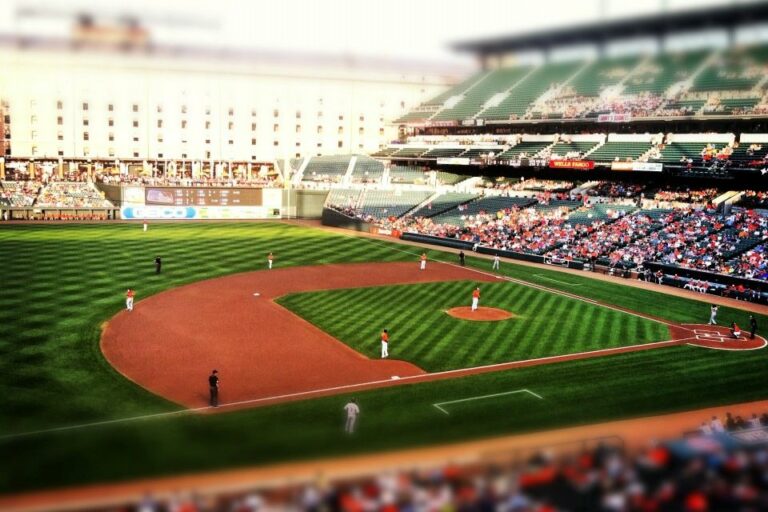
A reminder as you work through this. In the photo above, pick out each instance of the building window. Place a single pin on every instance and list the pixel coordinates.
(340, 130)
(159, 155)
(207, 154)
(230, 125)
(231, 111)
(230, 142)
(59, 104)
(298, 144)
(275, 113)
(183, 155)
(159, 123)
(381, 131)
(159, 109)
(34, 135)
(253, 112)
(319, 130)
(135, 154)
(341, 117)
(135, 139)
(276, 128)
(298, 114)
(60, 136)
(183, 109)
(111, 137)
(253, 127)
(86, 136)
(111, 151)
(207, 125)
(361, 131)
(134, 107)
(207, 141)
(135, 123)
(85, 105)
(341, 143)
(207, 111)
(61, 153)
(275, 143)
(184, 124)
(362, 118)
(253, 142)
(111, 122)
(320, 114)
(319, 144)
(59, 120)
(111, 107)
(160, 139)
(298, 128)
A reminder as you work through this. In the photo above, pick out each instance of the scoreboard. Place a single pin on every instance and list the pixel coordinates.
(199, 196)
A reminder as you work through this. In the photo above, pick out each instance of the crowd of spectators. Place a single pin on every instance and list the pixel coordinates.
(686, 194)
(19, 194)
(61, 194)
(616, 189)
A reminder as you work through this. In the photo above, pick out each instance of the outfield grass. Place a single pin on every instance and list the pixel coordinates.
(61, 282)
(422, 333)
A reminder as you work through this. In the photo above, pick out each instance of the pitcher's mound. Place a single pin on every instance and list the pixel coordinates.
(481, 314)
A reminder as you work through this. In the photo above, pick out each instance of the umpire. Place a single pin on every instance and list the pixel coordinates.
(213, 384)
(752, 326)
(158, 264)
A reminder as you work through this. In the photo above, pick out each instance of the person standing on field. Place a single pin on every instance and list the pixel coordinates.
(213, 386)
(752, 327)
(145, 226)
(129, 299)
(713, 314)
(423, 261)
(475, 298)
(385, 344)
(270, 259)
(496, 260)
(158, 264)
(461, 258)
(352, 410)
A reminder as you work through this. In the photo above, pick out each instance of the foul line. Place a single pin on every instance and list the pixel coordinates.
(541, 276)
(439, 405)
(473, 370)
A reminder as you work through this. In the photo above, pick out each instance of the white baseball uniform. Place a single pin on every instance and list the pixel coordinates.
(352, 412)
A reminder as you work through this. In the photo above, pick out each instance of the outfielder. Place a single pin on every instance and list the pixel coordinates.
(495, 265)
(475, 298)
(423, 261)
(129, 300)
(384, 344)
(270, 258)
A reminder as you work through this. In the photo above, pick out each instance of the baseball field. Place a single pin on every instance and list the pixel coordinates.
(91, 393)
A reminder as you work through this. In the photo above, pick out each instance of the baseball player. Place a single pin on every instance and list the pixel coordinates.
(735, 331)
(423, 261)
(213, 386)
(713, 314)
(145, 226)
(352, 411)
(752, 327)
(475, 298)
(129, 299)
(495, 265)
(385, 344)
(158, 264)
(270, 258)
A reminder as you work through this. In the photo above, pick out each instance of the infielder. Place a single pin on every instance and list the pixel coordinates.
(353, 411)
(495, 265)
(270, 259)
(423, 261)
(475, 298)
(129, 300)
(384, 344)
(713, 314)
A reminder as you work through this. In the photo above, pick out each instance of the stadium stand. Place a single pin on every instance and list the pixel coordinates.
(71, 195)
(326, 168)
(367, 170)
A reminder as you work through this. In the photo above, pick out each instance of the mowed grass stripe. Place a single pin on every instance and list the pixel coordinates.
(424, 335)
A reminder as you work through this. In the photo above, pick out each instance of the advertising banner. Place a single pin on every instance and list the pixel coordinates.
(571, 164)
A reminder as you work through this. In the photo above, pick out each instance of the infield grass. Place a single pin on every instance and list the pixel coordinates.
(422, 333)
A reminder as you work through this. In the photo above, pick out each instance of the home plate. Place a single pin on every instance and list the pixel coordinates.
(256, 294)
(395, 377)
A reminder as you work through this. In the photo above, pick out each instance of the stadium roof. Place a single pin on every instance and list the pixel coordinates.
(657, 25)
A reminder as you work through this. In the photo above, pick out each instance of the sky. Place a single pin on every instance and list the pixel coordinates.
(417, 30)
